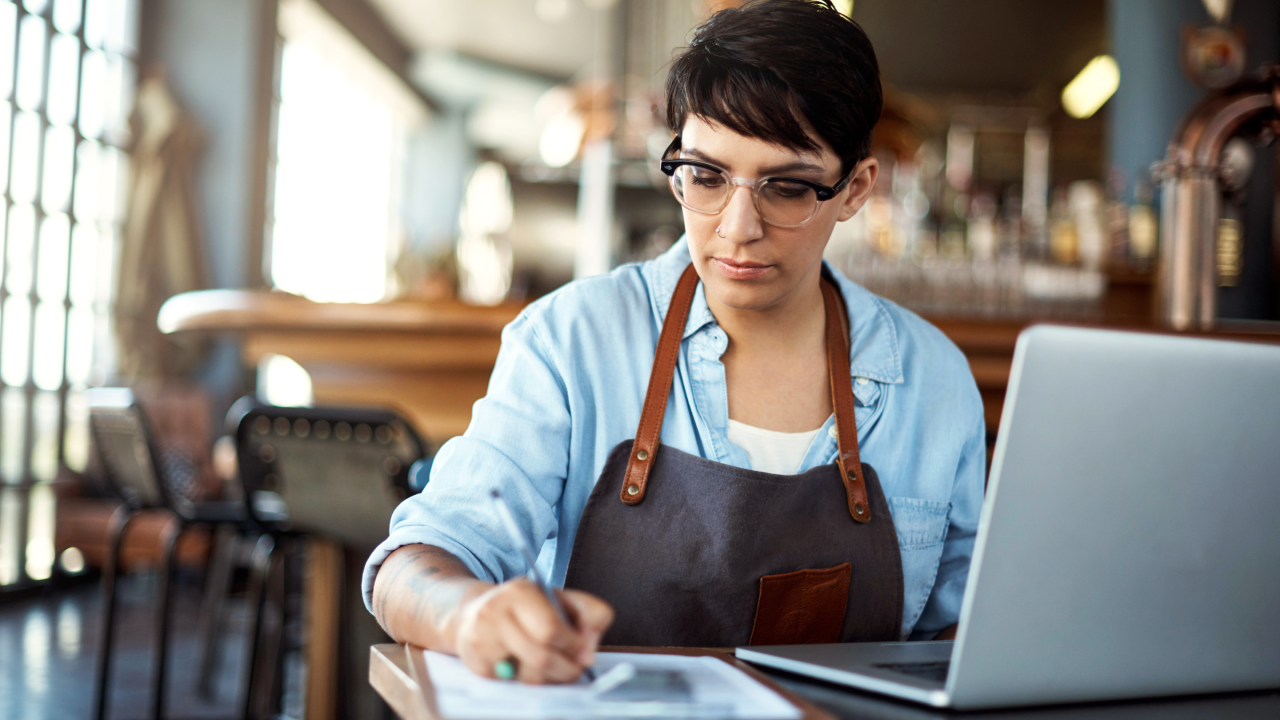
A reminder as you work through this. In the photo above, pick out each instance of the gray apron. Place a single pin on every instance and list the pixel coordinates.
(691, 552)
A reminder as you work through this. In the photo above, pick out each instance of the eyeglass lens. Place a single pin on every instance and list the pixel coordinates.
(779, 202)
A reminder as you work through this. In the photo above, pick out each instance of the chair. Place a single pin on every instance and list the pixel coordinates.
(336, 473)
(143, 476)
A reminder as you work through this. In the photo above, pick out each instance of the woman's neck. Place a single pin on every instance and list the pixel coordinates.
(792, 322)
(776, 365)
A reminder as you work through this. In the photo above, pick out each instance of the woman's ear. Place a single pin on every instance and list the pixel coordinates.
(859, 187)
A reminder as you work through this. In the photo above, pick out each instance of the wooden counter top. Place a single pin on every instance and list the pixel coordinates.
(243, 310)
(429, 361)
(988, 345)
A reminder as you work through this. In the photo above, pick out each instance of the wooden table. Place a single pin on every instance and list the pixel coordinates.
(391, 676)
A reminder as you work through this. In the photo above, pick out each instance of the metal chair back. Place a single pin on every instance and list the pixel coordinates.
(123, 439)
(338, 472)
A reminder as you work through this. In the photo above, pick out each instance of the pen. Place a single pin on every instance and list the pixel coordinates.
(517, 537)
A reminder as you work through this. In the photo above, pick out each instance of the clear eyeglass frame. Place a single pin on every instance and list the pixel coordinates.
(671, 166)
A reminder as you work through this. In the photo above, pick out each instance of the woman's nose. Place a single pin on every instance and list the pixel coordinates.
(739, 221)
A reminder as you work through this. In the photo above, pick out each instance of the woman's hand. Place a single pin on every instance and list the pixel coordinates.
(514, 621)
(425, 596)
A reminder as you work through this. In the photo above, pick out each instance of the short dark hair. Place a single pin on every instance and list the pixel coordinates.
(767, 68)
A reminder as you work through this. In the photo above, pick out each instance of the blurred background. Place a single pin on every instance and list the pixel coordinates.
(341, 202)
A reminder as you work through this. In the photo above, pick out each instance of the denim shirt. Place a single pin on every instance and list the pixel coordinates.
(569, 384)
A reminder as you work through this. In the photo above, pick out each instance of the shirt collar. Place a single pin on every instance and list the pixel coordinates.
(873, 352)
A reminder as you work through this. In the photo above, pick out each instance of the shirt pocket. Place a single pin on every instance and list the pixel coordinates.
(921, 526)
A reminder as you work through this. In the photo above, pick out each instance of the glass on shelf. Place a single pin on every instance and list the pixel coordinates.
(970, 252)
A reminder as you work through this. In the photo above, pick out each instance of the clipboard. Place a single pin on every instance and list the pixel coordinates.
(398, 675)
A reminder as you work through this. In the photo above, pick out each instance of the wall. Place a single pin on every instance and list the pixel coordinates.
(1154, 93)
(209, 50)
(438, 159)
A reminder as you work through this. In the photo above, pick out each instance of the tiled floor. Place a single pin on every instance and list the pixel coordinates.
(48, 648)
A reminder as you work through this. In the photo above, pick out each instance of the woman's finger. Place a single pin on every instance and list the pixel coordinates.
(592, 616)
(589, 613)
(538, 663)
(479, 642)
(542, 623)
(481, 651)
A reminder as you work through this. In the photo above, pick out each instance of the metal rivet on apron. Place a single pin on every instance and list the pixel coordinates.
(858, 508)
(635, 489)
(641, 455)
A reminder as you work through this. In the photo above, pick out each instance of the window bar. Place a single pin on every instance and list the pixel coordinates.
(25, 482)
(12, 491)
(64, 388)
(5, 490)
(273, 161)
(29, 387)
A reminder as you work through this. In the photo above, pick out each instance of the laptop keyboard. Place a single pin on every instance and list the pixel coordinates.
(933, 670)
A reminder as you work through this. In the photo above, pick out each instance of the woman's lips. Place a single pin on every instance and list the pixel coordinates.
(741, 269)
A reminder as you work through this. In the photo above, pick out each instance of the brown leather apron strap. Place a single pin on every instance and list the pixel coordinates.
(842, 402)
(645, 446)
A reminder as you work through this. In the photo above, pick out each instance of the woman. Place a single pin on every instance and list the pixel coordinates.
(729, 444)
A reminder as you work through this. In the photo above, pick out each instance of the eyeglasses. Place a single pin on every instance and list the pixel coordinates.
(784, 202)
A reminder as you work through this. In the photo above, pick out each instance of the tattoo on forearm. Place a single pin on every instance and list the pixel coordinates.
(434, 598)
(414, 574)
(399, 563)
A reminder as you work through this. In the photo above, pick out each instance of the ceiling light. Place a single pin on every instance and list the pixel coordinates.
(1095, 84)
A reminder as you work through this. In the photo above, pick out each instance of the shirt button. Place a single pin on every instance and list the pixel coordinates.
(862, 381)
(832, 432)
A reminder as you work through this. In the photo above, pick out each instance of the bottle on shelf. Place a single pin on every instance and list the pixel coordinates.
(1085, 199)
(1116, 220)
(1142, 227)
(1064, 242)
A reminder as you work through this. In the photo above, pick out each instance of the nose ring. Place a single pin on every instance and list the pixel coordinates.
(718, 231)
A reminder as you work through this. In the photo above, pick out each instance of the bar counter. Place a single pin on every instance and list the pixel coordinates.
(432, 361)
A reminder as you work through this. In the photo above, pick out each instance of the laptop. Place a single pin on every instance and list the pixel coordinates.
(1129, 543)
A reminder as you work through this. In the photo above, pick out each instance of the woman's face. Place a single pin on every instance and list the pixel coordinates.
(749, 264)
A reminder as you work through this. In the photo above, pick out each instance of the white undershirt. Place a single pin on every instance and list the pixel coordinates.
(770, 451)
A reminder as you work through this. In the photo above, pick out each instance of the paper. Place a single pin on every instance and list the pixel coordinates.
(717, 690)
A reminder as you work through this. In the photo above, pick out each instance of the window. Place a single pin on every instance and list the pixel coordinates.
(341, 128)
(66, 87)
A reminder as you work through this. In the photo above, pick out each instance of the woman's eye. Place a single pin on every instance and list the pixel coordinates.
(707, 179)
(787, 189)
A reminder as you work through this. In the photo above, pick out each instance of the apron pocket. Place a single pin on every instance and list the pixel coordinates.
(805, 606)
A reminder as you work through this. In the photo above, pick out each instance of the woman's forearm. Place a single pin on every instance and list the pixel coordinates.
(418, 592)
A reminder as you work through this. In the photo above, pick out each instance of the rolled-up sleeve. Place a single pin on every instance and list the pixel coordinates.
(943, 607)
(518, 442)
